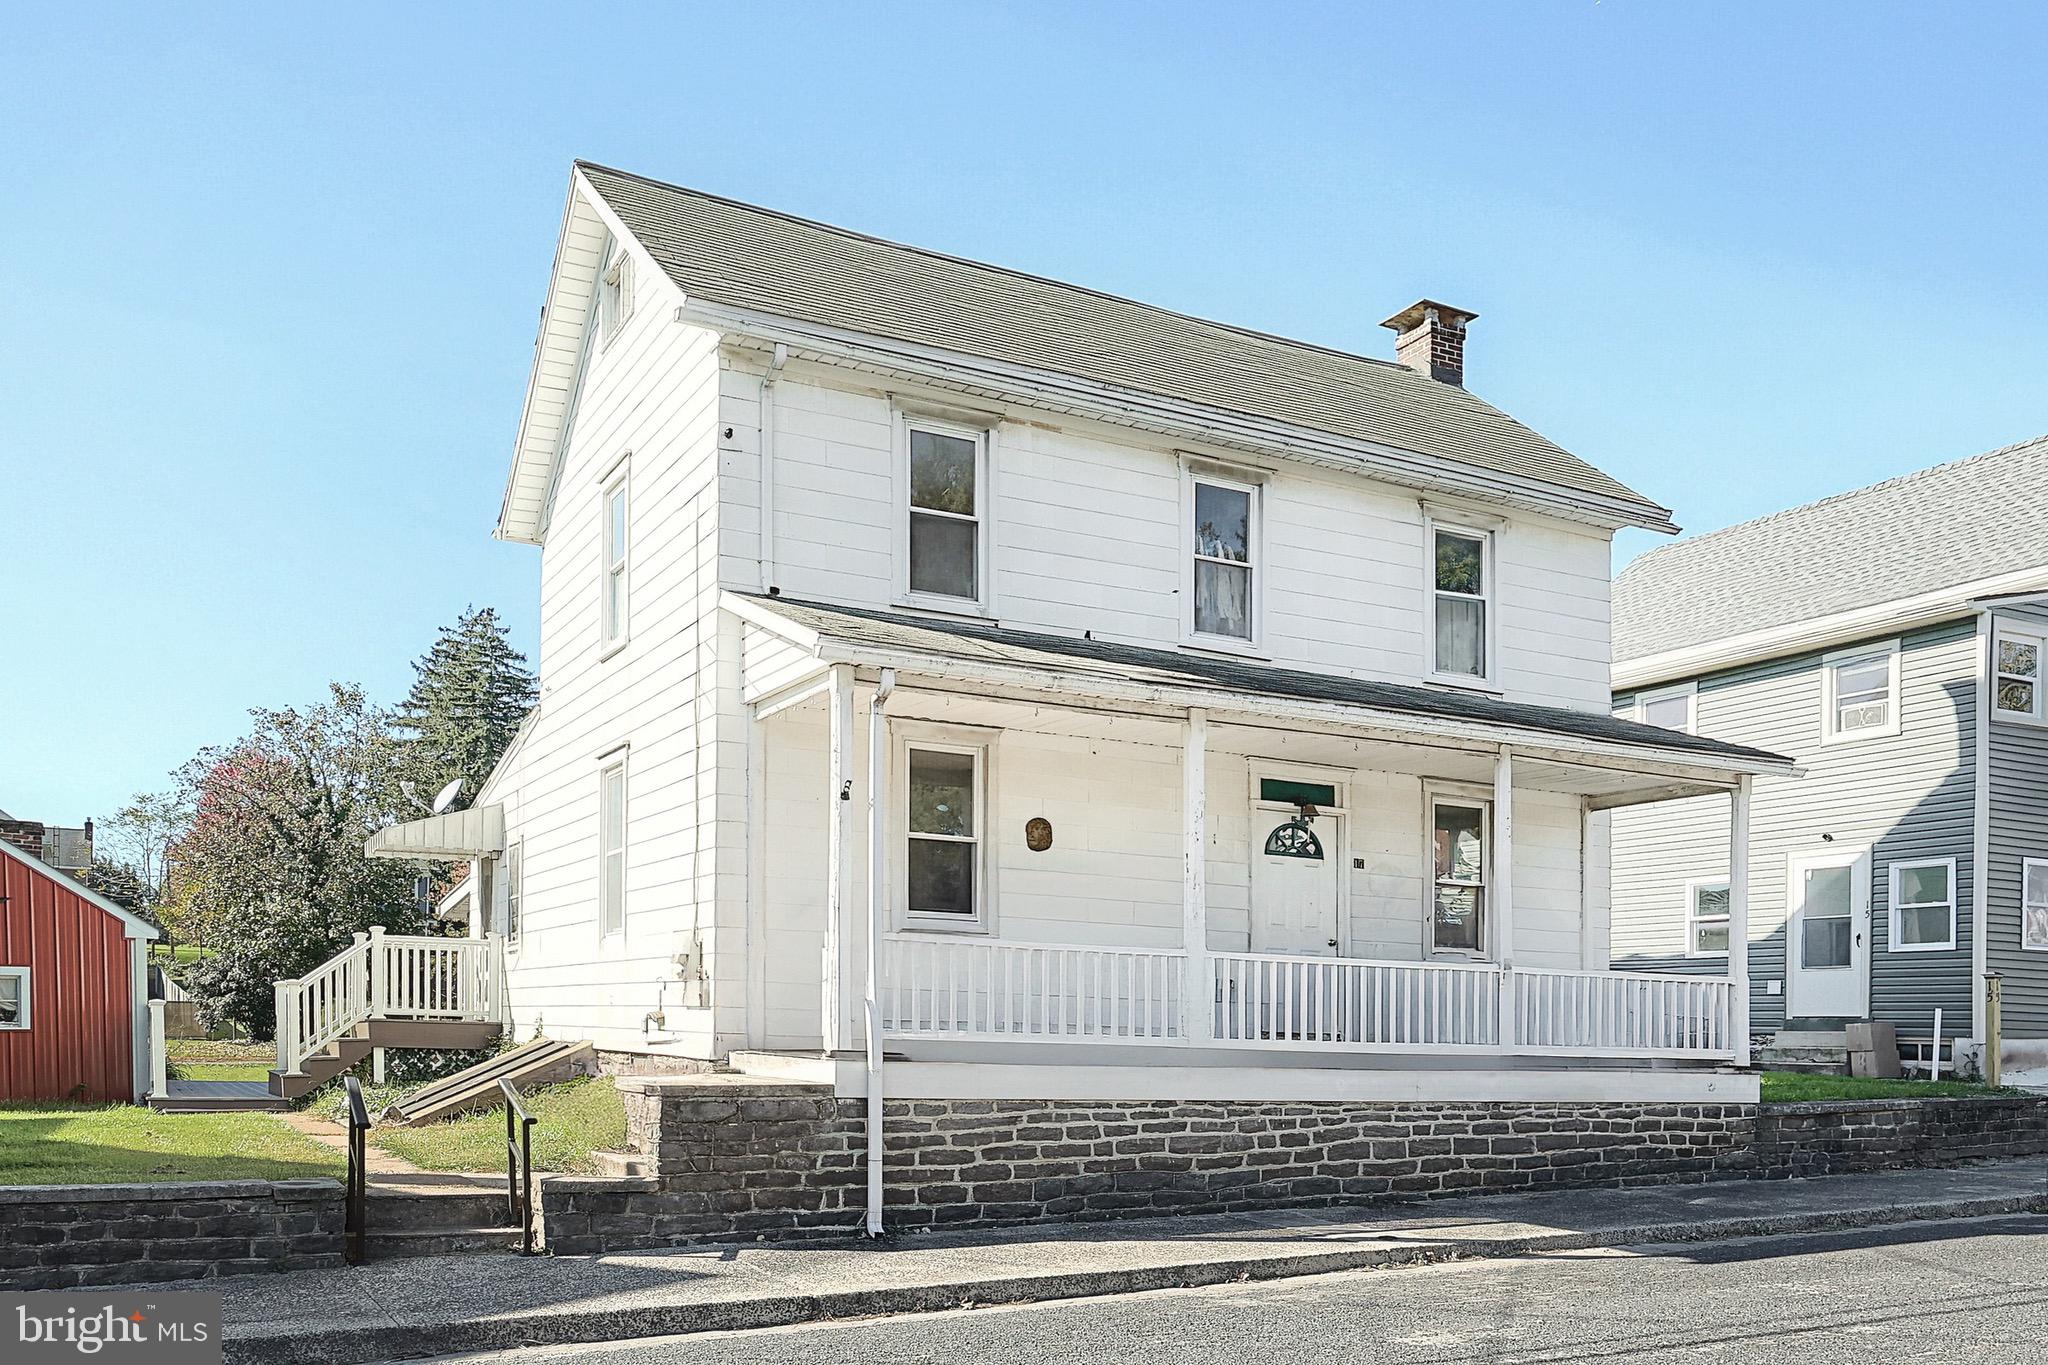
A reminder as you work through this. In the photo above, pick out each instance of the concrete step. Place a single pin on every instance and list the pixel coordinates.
(380, 1244)
(388, 1212)
(623, 1163)
(784, 1066)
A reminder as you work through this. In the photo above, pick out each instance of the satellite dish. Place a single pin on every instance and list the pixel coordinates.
(445, 797)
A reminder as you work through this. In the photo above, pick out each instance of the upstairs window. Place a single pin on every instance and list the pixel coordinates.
(2016, 684)
(615, 542)
(1706, 919)
(1458, 899)
(13, 997)
(1669, 709)
(1923, 906)
(1860, 692)
(1463, 587)
(611, 849)
(945, 487)
(615, 296)
(1225, 544)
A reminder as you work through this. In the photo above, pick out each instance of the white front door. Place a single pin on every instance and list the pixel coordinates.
(1827, 935)
(1294, 884)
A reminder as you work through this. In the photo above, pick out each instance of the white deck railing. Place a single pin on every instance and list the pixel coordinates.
(934, 986)
(387, 976)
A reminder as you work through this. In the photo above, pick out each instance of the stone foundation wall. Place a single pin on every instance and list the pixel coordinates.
(60, 1236)
(1835, 1137)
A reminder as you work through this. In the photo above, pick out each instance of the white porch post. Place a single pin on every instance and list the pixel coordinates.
(1738, 915)
(1503, 886)
(1197, 1015)
(839, 872)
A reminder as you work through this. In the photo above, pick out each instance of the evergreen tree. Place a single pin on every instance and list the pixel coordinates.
(469, 694)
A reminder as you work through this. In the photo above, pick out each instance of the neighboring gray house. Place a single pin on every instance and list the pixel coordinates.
(1856, 634)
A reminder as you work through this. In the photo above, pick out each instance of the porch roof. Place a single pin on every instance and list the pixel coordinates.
(859, 635)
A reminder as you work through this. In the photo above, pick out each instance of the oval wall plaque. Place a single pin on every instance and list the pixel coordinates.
(1038, 834)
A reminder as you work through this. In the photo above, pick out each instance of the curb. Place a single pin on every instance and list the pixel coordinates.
(365, 1345)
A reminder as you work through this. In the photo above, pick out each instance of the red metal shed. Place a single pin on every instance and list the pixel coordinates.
(74, 983)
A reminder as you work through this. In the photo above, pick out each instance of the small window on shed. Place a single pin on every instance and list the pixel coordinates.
(14, 1000)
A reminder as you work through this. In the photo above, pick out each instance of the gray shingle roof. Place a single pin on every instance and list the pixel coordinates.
(897, 632)
(741, 256)
(1955, 523)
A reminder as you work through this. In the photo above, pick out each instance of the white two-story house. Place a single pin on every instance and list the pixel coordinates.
(1055, 693)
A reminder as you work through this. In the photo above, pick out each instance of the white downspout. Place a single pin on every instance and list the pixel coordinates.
(878, 898)
(767, 434)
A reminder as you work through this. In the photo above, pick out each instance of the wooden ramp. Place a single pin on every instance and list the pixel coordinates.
(540, 1062)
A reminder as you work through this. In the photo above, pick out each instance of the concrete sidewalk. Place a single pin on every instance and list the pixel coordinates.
(438, 1305)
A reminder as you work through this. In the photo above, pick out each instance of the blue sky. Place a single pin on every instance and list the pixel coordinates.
(269, 275)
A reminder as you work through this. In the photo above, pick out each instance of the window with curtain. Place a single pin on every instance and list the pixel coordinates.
(1225, 551)
(1862, 693)
(944, 857)
(2016, 691)
(1463, 588)
(1458, 902)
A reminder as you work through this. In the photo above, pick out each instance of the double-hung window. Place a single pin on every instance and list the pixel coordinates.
(2016, 684)
(613, 585)
(1923, 906)
(1706, 918)
(1461, 603)
(508, 891)
(1458, 895)
(14, 1001)
(2034, 904)
(947, 492)
(1860, 692)
(611, 849)
(944, 882)
(1225, 548)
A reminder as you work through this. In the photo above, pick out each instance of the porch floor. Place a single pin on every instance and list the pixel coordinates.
(191, 1097)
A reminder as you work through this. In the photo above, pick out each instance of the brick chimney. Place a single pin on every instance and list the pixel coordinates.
(1430, 339)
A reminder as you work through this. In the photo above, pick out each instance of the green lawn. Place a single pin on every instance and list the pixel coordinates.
(184, 952)
(221, 1071)
(80, 1144)
(219, 1050)
(574, 1119)
(1784, 1087)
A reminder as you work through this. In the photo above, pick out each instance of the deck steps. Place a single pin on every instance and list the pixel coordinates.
(450, 1035)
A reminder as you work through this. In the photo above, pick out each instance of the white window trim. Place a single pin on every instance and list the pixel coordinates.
(1693, 919)
(1892, 907)
(614, 294)
(1469, 799)
(1248, 481)
(984, 438)
(981, 743)
(1829, 662)
(617, 481)
(511, 868)
(2039, 639)
(2027, 865)
(27, 1020)
(1688, 690)
(1489, 539)
(607, 933)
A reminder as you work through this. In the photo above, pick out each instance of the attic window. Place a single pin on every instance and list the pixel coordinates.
(615, 295)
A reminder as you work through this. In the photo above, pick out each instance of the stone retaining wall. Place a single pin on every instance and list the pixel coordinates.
(59, 1236)
(731, 1157)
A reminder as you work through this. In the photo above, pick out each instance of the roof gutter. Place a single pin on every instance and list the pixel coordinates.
(1047, 389)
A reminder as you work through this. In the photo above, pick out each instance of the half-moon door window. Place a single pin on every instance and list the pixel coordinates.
(1294, 839)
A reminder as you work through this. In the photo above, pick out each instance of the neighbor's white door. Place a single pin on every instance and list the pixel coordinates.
(1828, 935)
(1294, 897)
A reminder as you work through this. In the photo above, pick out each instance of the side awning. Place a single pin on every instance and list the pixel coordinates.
(475, 833)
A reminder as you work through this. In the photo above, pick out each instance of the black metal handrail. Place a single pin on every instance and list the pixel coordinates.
(356, 1209)
(518, 1166)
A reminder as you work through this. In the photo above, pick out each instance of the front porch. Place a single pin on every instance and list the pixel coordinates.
(1048, 870)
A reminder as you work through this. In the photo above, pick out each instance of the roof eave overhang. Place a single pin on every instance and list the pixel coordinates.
(1220, 702)
(1827, 632)
(132, 925)
(1049, 390)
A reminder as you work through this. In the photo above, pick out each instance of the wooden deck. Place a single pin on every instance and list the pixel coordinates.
(192, 1097)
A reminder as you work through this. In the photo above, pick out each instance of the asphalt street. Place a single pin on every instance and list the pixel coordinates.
(1973, 1291)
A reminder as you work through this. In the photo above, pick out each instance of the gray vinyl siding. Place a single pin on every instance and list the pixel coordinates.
(1906, 797)
(2019, 830)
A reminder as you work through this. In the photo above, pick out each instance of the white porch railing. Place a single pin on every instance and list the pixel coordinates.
(936, 986)
(388, 976)
(1274, 1000)
(1623, 1013)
